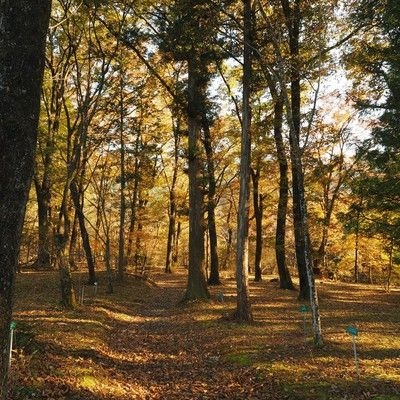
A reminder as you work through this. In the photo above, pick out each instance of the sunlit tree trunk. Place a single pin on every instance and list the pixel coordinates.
(243, 309)
(23, 27)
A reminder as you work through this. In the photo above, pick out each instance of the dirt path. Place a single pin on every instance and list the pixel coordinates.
(167, 353)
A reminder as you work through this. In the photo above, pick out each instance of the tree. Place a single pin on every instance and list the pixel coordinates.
(23, 27)
(243, 308)
(379, 62)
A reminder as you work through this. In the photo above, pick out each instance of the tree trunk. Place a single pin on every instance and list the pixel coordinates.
(258, 214)
(293, 22)
(43, 197)
(171, 229)
(285, 281)
(243, 310)
(134, 201)
(211, 205)
(293, 108)
(76, 198)
(169, 259)
(196, 285)
(23, 27)
(67, 290)
(356, 246)
(122, 205)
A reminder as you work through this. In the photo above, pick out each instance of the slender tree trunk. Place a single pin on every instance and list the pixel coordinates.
(285, 279)
(77, 200)
(196, 285)
(169, 259)
(43, 196)
(171, 230)
(211, 205)
(243, 309)
(258, 214)
(62, 245)
(122, 205)
(356, 247)
(177, 236)
(228, 251)
(107, 261)
(23, 27)
(72, 249)
(134, 201)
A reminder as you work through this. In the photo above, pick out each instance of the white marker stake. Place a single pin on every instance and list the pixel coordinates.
(12, 328)
(356, 357)
(353, 332)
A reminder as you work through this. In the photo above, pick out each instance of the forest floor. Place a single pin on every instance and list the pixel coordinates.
(141, 343)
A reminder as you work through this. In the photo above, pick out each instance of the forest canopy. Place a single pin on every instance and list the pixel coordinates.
(142, 120)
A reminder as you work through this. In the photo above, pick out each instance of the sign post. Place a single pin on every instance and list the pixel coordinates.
(353, 332)
(13, 325)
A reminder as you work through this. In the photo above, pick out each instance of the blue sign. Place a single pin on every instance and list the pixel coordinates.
(352, 330)
(303, 308)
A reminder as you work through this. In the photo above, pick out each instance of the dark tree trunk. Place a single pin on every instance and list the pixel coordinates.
(308, 289)
(285, 281)
(228, 252)
(134, 201)
(211, 205)
(293, 22)
(356, 248)
(169, 259)
(73, 253)
(23, 26)
(171, 229)
(197, 284)
(43, 196)
(76, 198)
(258, 215)
(122, 203)
(243, 309)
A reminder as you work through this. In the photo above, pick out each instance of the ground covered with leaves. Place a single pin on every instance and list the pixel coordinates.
(141, 343)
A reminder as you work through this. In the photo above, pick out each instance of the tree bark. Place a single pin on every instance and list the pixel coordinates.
(169, 259)
(308, 290)
(285, 280)
(258, 215)
(293, 23)
(77, 200)
(196, 285)
(43, 196)
(23, 27)
(243, 309)
(211, 205)
(122, 203)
